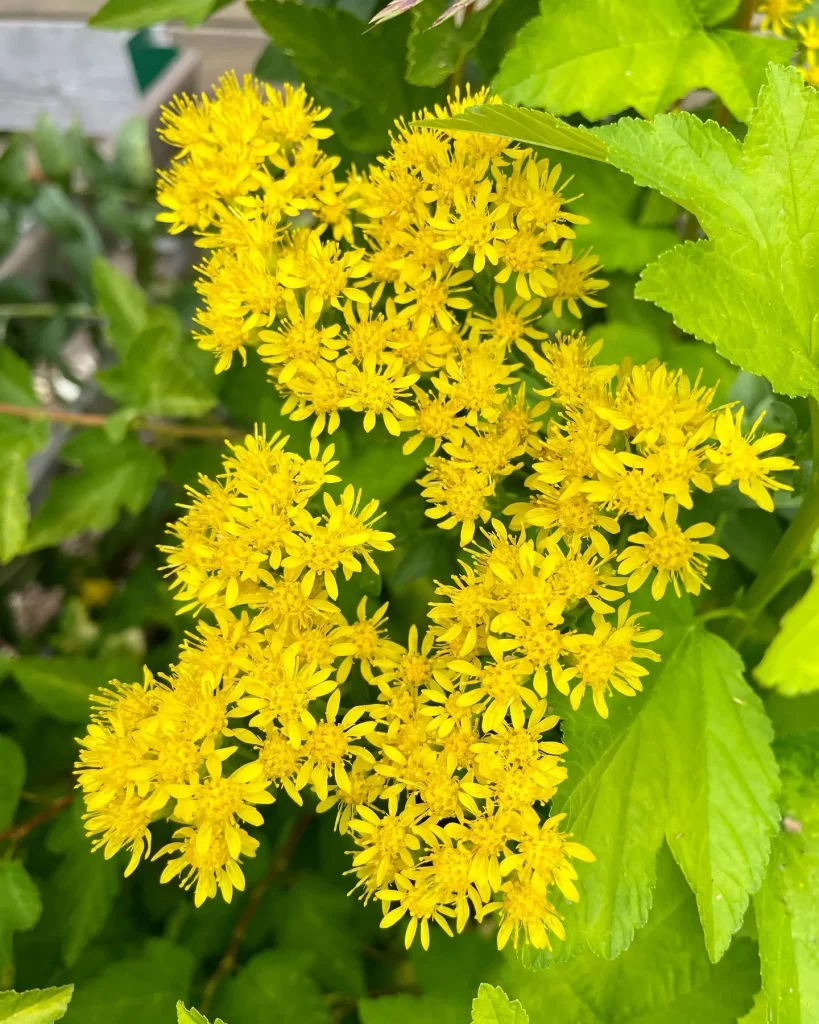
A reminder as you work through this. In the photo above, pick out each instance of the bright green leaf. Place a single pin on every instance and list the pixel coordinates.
(433, 54)
(111, 477)
(274, 985)
(140, 989)
(790, 664)
(12, 777)
(14, 509)
(534, 127)
(162, 373)
(756, 277)
(787, 905)
(123, 303)
(37, 1006)
(20, 905)
(84, 884)
(62, 686)
(139, 13)
(132, 154)
(631, 55)
(191, 1016)
(493, 1006)
(664, 978)
(689, 760)
(53, 154)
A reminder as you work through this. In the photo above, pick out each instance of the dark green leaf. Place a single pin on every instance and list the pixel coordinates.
(144, 988)
(627, 55)
(20, 905)
(755, 278)
(12, 777)
(787, 905)
(123, 303)
(111, 477)
(275, 985)
(433, 54)
(62, 686)
(38, 1006)
(534, 127)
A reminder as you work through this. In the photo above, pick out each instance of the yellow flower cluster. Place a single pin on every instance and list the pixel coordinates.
(443, 779)
(776, 14)
(809, 47)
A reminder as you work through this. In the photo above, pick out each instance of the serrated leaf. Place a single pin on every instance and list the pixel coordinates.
(111, 478)
(755, 279)
(12, 777)
(37, 1006)
(62, 686)
(274, 984)
(162, 373)
(122, 302)
(191, 1016)
(368, 79)
(534, 127)
(787, 905)
(493, 1006)
(664, 978)
(434, 52)
(140, 13)
(630, 55)
(671, 763)
(84, 885)
(20, 905)
(790, 664)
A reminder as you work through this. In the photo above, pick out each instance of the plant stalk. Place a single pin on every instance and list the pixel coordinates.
(45, 310)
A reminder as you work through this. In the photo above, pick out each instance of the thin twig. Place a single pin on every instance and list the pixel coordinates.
(278, 865)
(93, 419)
(17, 832)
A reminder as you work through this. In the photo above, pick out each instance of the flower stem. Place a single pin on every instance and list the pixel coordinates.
(93, 419)
(779, 570)
(46, 310)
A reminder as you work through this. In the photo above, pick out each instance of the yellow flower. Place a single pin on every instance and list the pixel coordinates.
(511, 324)
(544, 854)
(533, 193)
(291, 116)
(432, 298)
(567, 365)
(212, 866)
(325, 272)
(525, 907)
(527, 257)
(474, 228)
(741, 458)
(421, 899)
(573, 281)
(809, 35)
(776, 14)
(330, 746)
(457, 496)
(379, 391)
(675, 555)
(299, 343)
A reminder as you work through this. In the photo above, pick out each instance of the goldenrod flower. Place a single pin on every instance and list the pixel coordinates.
(573, 281)
(776, 14)
(473, 228)
(741, 458)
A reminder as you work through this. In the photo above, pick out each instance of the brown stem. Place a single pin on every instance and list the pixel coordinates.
(17, 832)
(93, 419)
(278, 865)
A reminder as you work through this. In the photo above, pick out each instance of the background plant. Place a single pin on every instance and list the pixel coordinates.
(630, 229)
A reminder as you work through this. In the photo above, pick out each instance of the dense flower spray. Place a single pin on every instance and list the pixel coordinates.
(411, 295)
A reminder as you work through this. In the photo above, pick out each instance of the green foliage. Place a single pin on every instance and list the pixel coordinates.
(122, 302)
(20, 906)
(788, 665)
(191, 1016)
(493, 1006)
(434, 53)
(787, 905)
(274, 985)
(38, 1006)
(139, 13)
(688, 761)
(666, 976)
(755, 277)
(630, 55)
(61, 686)
(12, 777)
(111, 477)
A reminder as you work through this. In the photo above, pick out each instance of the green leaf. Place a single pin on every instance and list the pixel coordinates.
(276, 985)
(755, 279)
(38, 1006)
(688, 760)
(368, 78)
(20, 905)
(534, 127)
(790, 664)
(52, 152)
(787, 905)
(85, 885)
(111, 477)
(162, 373)
(139, 13)
(12, 777)
(410, 1010)
(123, 303)
(493, 1006)
(612, 202)
(62, 686)
(132, 154)
(665, 978)
(631, 55)
(191, 1016)
(142, 988)
(434, 53)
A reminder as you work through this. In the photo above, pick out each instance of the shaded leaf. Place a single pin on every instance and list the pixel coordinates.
(62, 686)
(629, 55)
(436, 52)
(122, 302)
(274, 984)
(12, 777)
(20, 905)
